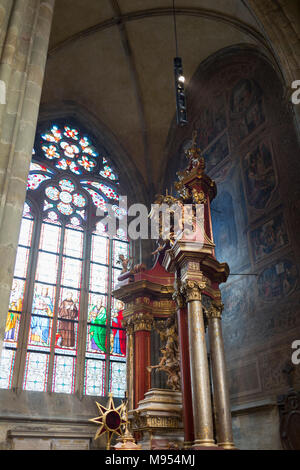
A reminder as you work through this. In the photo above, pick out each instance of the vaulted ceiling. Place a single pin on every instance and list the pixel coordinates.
(114, 58)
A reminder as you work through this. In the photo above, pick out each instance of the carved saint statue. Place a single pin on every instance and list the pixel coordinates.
(169, 361)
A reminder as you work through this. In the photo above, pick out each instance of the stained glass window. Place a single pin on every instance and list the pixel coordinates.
(65, 271)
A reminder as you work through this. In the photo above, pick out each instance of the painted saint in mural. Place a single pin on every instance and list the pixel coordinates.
(217, 152)
(15, 304)
(269, 237)
(211, 122)
(241, 96)
(68, 311)
(40, 320)
(255, 116)
(260, 176)
(278, 280)
(97, 318)
(247, 103)
(119, 336)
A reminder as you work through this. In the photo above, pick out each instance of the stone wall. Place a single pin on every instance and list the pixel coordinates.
(256, 426)
(34, 420)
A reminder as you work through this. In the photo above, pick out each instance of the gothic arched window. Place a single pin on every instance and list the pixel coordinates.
(63, 331)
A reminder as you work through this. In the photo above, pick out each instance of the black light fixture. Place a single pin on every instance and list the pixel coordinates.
(181, 113)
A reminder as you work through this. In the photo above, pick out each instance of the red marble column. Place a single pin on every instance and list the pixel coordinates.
(142, 358)
(188, 421)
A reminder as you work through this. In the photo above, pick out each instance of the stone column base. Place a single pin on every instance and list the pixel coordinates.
(158, 421)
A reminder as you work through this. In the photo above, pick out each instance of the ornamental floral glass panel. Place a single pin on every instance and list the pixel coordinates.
(108, 191)
(6, 367)
(73, 243)
(98, 278)
(35, 179)
(50, 237)
(66, 268)
(100, 247)
(64, 370)
(71, 272)
(36, 369)
(26, 232)
(73, 150)
(94, 377)
(118, 379)
(47, 267)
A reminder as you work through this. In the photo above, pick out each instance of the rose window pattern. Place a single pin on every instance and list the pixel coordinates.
(64, 329)
(62, 149)
(68, 149)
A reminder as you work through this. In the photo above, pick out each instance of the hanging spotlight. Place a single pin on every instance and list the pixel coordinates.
(181, 113)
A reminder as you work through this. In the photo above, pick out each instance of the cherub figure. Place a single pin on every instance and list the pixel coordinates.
(126, 263)
(169, 361)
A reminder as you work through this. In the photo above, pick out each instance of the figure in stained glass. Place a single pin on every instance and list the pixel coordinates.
(68, 310)
(97, 317)
(118, 345)
(40, 320)
(12, 317)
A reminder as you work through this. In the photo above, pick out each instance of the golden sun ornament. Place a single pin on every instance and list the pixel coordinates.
(111, 420)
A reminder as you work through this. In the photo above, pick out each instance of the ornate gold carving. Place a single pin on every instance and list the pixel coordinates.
(198, 196)
(215, 310)
(169, 361)
(140, 423)
(142, 300)
(142, 322)
(127, 264)
(166, 304)
(193, 154)
(192, 289)
(182, 190)
(127, 323)
(177, 296)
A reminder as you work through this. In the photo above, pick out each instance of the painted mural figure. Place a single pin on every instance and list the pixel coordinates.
(97, 317)
(217, 152)
(67, 311)
(119, 336)
(13, 317)
(40, 325)
(260, 178)
(269, 237)
(241, 96)
(211, 123)
(255, 116)
(278, 280)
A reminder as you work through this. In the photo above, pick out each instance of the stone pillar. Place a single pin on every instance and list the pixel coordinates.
(25, 31)
(187, 406)
(200, 380)
(142, 355)
(128, 325)
(220, 385)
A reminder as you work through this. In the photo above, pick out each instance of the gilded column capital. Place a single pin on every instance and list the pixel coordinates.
(215, 310)
(192, 289)
(127, 323)
(177, 295)
(178, 298)
(142, 322)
